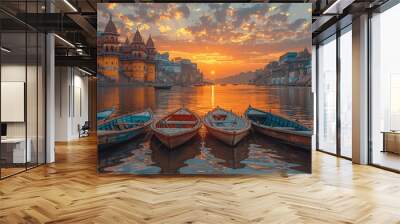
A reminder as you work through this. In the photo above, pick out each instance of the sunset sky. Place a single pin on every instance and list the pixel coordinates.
(222, 38)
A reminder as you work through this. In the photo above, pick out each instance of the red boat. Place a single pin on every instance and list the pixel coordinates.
(177, 127)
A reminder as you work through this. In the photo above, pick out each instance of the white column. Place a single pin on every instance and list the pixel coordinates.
(50, 99)
(63, 100)
(360, 90)
(314, 91)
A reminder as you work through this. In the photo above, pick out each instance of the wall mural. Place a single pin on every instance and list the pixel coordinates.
(195, 88)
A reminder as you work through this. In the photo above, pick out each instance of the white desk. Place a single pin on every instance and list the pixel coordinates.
(17, 145)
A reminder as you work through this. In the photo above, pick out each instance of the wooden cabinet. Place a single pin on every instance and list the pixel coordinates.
(391, 141)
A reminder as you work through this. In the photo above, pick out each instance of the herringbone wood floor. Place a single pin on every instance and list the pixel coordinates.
(70, 191)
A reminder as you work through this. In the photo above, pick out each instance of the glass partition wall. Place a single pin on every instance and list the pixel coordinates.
(345, 61)
(327, 95)
(334, 81)
(385, 90)
(22, 77)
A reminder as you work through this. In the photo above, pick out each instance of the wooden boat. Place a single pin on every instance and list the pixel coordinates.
(124, 127)
(177, 128)
(105, 114)
(226, 126)
(162, 86)
(288, 131)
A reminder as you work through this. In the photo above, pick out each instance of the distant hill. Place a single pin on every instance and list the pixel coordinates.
(245, 77)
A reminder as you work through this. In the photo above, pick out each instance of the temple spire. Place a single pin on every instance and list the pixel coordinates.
(110, 27)
(150, 43)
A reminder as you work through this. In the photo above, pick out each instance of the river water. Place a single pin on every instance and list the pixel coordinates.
(256, 154)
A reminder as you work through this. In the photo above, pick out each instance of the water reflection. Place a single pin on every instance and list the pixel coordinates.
(293, 102)
(170, 161)
(204, 154)
(230, 157)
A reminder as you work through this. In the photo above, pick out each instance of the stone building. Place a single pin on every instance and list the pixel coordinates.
(134, 59)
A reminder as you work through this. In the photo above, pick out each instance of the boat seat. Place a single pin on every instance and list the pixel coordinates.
(305, 132)
(286, 128)
(180, 122)
(132, 123)
(117, 127)
(223, 122)
(219, 117)
(173, 130)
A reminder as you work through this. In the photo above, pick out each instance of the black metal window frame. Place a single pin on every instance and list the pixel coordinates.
(338, 33)
(381, 9)
(389, 4)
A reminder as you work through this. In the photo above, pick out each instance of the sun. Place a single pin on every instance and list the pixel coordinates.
(212, 72)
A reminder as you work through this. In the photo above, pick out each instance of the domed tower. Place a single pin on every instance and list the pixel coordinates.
(150, 62)
(126, 47)
(125, 58)
(108, 57)
(138, 54)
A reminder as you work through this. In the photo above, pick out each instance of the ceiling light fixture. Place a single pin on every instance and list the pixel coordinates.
(64, 40)
(70, 5)
(84, 71)
(5, 50)
(337, 7)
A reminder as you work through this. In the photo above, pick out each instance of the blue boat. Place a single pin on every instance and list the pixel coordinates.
(283, 129)
(123, 128)
(105, 114)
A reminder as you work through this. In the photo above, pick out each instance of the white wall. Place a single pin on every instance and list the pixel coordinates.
(81, 105)
(16, 73)
(71, 102)
(12, 73)
(61, 103)
(33, 126)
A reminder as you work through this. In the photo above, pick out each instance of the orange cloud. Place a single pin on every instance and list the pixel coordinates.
(143, 26)
(183, 32)
(178, 15)
(111, 5)
(164, 28)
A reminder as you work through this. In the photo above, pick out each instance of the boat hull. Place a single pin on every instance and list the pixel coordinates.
(104, 115)
(104, 140)
(229, 138)
(162, 86)
(106, 136)
(288, 137)
(172, 142)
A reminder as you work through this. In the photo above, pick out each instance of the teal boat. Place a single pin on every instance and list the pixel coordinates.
(124, 127)
(283, 129)
(105, 114)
